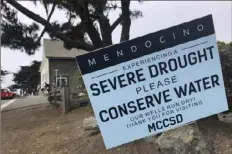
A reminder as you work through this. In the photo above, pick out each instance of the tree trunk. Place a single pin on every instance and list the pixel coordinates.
(104, 23)
(105, 31)
(126, 22)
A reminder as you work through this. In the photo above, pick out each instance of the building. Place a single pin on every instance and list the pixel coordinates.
(58, 64)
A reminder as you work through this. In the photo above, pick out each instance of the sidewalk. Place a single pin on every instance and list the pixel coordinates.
(25, 101)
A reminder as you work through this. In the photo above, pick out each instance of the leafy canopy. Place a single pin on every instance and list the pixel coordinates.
(28, 77)
(87, 25)
(3, 73)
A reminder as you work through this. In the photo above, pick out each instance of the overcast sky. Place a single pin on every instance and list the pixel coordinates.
(156, 16)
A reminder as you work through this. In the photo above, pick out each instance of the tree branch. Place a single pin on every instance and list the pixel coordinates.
(83, 11)
(116, 23)
(80, 44)
(94, 16)
(49, 17)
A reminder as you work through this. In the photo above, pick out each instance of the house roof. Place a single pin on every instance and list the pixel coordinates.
(55, 49)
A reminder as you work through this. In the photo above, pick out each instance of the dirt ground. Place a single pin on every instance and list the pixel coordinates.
(45, 130)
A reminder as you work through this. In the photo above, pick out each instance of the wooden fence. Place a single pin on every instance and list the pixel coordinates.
(68, 99)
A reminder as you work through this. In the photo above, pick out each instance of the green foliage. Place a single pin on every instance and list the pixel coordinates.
(224, 47)
(89, 109)
(3, 74)
(13, 87)
(226, 63)
(17, 35)
(86, 25)
(28, 77)
(136, 14)
(81, 82)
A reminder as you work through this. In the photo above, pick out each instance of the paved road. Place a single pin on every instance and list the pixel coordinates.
(23, 102)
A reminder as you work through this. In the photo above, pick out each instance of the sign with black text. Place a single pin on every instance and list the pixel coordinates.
(156, 82)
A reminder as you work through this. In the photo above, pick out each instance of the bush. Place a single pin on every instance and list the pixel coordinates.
(89, 109)
(225, 50)
(81, 84)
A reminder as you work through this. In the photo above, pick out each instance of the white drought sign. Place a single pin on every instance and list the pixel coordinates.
(156, 82)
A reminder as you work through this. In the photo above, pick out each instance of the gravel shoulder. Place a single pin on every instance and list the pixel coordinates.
(44, 130)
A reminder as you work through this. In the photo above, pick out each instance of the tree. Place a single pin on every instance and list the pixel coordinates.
(27, 78)
(87, 25)
(3, 74)
(13, 87)
(226, 63)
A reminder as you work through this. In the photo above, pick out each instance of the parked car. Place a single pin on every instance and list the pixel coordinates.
(6, 94)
